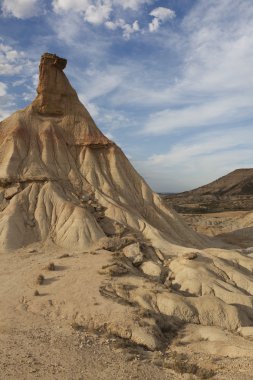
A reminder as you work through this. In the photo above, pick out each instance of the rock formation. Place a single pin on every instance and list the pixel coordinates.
(67, 188)
(63, 180)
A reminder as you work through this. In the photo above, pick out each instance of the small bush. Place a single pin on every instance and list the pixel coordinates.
(75, 326)
(40, 279)
(36, 293)
(179, 363)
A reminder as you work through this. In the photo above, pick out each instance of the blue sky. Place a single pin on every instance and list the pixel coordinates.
(171, 81)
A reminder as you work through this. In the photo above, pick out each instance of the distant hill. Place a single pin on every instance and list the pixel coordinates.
(233, 191)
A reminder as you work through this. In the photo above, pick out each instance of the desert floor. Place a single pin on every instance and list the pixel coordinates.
(38, 344)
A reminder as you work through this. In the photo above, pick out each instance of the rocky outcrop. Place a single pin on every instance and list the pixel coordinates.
(62, 180)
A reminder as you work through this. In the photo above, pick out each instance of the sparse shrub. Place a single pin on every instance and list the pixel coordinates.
(75, 326)
(36, 293)
(40, 279)
(181, 364)
(51, 266)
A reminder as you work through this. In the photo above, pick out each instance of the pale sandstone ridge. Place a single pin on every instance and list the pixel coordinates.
(64, 181)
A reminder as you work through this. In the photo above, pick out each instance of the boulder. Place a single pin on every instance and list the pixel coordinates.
(133, 252)
(151, 269)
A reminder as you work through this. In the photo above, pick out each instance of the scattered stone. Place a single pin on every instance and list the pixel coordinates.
(159, 254)
(64, 256)
(51, 266)
(151, 269)
(190, 255)
(40, 279)
(246, 332)
(11, 191)
(85, 197)
(133, 252)
(112, 244)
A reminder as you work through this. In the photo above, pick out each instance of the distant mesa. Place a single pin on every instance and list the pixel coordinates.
(231, 192)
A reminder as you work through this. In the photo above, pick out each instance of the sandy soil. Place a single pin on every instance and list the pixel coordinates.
(234, 227)
(34, 346)
(36, 343)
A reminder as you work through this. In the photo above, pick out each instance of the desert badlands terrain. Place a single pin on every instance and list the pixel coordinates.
(222, 208)
(100, 278)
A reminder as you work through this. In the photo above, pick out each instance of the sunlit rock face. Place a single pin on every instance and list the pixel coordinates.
(72, 184)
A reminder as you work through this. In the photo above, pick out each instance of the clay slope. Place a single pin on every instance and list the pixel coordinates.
(63, 180)
(231, 192)
(238, 182)
(235, 227)
(222, 208)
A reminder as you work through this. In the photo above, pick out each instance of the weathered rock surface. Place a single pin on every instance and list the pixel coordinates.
(131, 267)
(134, 253)
(151, 269)
(222, 208)
(73, 181)
(231, 192)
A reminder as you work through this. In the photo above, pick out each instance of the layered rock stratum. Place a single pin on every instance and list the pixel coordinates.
(124, 262)
(63, 180)
(222, 208)
(232, 192)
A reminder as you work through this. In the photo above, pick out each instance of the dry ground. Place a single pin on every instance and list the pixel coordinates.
(36, 343)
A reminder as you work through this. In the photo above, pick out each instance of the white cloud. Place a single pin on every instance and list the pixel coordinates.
(99, 13)
(70, 5)
(209, 113)
(195, 172)
(3, 89)
(82, 5)
(94, 12)
(70, 22)
(132, 4)
(101, 83)
(198, 160)
(11, 60)
(154, 25)
(91, 107)
(112, 25)
(21, 8)
(160, 15)
(213, 83)
(127, 29)
(205, 144)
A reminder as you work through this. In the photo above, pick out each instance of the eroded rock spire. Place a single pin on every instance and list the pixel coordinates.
(53, 87)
